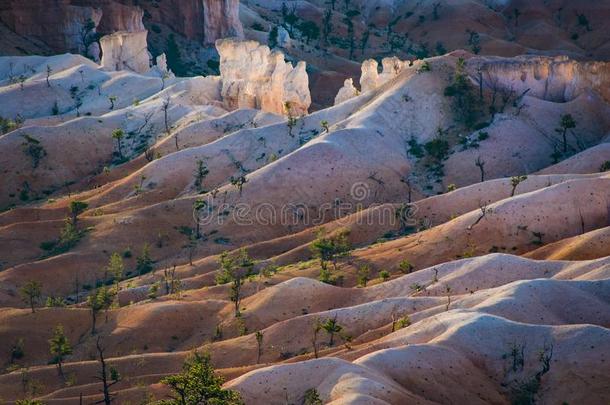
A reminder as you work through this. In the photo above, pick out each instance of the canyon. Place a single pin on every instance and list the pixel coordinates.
(325, 222)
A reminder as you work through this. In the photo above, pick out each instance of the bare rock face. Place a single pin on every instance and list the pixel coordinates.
(117, 16)
(346, 92)
(372, 79)
(221, 20)
(558, 79)
(125, 51)
(199, 20)
(182, 16)
(60, 24)
(57, 23)
(255, 77)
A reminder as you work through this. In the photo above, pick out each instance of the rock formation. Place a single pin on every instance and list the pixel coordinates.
(346, 92)
(63, 29)
(557, 79)
(221, 20)
(283, 37)
(161, 65)
(255, 77)
(372, 79)
(116, 16)
(125, 51)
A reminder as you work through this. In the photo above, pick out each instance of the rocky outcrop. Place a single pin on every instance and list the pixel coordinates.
(116, 16)
(161, 66)
(346, 92)
(221, 20)
(372, 79)
(70, 25)
(559, 79)
(204, 21)
(283, 37)
(125, 51)
(57, 23)
(255, 77)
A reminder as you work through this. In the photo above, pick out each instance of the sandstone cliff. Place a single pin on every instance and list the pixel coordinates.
(221, 20)
(57, 23)
(255, 77)
(60, 24)
(558, 79)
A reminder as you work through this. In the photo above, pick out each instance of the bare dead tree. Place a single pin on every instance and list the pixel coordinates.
(166, 104)
(407, 181)
(484, 211)
(317, 327)
(108, 377)
(507, 95)
(481, 165)
(170, 281)
(149, 154)
(448, 291)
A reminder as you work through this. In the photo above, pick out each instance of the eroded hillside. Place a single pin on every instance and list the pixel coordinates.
(438, 236)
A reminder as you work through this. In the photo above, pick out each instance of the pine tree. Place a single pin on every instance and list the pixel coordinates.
(198, 384)
(59, 347)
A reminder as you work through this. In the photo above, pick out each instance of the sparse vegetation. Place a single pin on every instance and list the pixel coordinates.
(69, 237)
(108, 376)
(49, 72)
(235, 269)
(76, 208)
(480, 163)
(198, 206)
(144, 263)
(116, 269)
(514, 182)
(60, 347)
(566, 123)
(118, 135)
(400, 323)
(364, 273)
(100, 300)
(324, 125)
(405, 267)
(7, 125)
(425, 67)
(312, 397)
(201, 172)
(330, 249)
(198, 384)
(332, 328)
(465, 105)
(259, 343)
(291, 120)
(31, 293)
(239, 182)
(112, 100)
(33, 149)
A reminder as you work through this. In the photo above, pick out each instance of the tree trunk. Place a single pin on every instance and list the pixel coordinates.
(94, 318)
